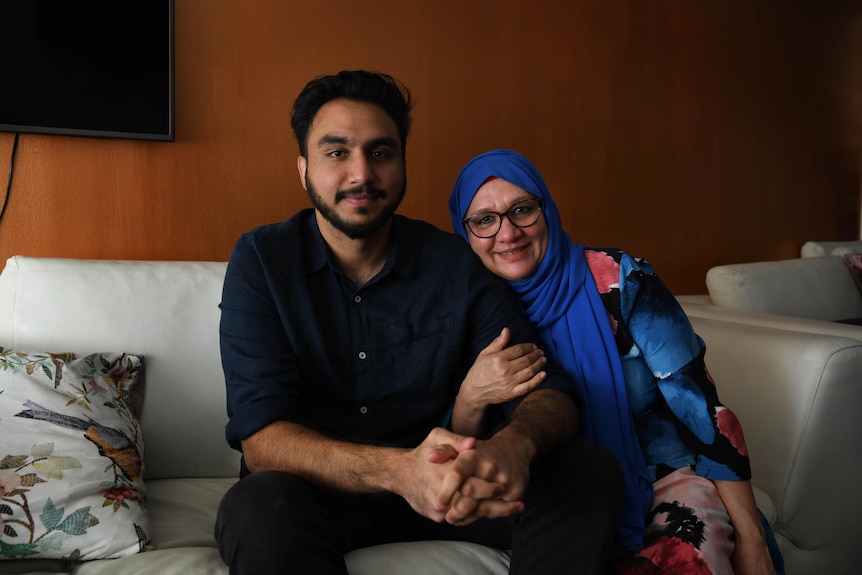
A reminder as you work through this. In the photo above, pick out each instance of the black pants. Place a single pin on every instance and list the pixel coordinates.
(275, 522)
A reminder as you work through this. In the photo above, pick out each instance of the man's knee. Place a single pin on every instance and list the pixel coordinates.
(261, 494)
(606, 469)
(580, 467)
(260, 510)
(582, 455)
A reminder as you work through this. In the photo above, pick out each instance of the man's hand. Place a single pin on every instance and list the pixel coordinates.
(497, 462)
(432, 464)
(416, 474)
(541, 421)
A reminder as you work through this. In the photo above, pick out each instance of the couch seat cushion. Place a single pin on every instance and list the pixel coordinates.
(183, 511)
(428, 558)
(177, 561)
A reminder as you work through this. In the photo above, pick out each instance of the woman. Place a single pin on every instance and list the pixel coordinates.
(648, 398)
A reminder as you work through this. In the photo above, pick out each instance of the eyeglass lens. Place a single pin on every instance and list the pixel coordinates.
(488, 224)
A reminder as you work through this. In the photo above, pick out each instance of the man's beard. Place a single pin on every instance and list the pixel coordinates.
(354, 230)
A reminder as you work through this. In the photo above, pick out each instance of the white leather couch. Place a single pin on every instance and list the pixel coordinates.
(793, 375)
(795, 386)
(168, 312)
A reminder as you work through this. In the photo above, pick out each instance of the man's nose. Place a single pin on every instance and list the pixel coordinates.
(360, 170)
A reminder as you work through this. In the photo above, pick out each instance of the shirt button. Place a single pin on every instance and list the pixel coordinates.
(363, 410)
(362, 355)
(357, 298)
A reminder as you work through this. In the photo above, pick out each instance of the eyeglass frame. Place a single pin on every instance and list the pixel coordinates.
(500, 215)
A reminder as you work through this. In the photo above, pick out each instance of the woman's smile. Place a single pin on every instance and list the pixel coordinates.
(513, 253)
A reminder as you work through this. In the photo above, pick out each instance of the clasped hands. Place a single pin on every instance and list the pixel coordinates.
(460, 479)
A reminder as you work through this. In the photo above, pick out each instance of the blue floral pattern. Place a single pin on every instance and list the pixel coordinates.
(679, 419)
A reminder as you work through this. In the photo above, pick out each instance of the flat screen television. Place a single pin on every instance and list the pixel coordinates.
(99, 68)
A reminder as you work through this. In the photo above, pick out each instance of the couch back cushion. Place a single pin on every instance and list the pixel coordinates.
(820, 249)
(816, 288)
(167, 312)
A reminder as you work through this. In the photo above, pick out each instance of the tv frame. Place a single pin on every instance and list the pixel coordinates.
(167, 135)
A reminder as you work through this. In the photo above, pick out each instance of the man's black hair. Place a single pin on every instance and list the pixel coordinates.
(356, 85)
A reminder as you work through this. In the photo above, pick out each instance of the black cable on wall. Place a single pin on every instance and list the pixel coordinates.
(9, 179)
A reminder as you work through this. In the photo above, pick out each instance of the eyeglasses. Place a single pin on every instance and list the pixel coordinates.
(487, 224)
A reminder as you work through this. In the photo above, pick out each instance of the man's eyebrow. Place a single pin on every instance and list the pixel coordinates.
(329, 139)
(383, 141)
(332, 139)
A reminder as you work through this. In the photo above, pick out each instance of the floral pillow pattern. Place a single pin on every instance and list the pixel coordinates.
(71, 456)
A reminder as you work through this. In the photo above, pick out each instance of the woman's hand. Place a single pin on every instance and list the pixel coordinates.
(498, 375)
(751, 555)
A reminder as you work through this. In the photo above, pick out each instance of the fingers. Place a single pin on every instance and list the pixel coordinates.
(466, 510)
(467, 469)
(477, 488)
(449, 488)
(522, 361)
(441, 454)
(522, 388)
(526, 356)
(465, 502)
(466, 443)
(446, 445)
(526, 353)
(479, 498)
(498, 343)
(526, 378)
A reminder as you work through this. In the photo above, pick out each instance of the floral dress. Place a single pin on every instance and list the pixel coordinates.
(687, 435)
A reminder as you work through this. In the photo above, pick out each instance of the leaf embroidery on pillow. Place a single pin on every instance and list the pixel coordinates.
(56, 525)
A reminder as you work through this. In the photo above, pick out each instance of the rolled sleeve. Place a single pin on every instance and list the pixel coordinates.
(259, 365)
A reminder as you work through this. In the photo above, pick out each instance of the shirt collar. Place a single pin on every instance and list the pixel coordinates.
(402, 259)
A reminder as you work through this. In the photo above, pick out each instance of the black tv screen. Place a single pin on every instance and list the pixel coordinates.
(101, 68)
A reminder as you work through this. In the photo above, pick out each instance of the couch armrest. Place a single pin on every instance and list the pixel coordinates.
(795, 386)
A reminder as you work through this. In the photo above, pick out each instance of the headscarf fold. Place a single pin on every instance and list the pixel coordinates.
(565, 308)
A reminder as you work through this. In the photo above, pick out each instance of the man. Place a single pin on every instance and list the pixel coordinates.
(346, 332)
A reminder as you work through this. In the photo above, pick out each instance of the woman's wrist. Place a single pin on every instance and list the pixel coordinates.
(471, 406)
(467, 418)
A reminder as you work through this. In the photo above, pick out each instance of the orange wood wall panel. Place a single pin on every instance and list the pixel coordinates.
(692, 133)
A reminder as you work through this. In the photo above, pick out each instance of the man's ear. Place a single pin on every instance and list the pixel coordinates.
(302, 166)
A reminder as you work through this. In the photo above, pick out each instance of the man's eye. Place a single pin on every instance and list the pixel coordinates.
(380, 154)
(336, 154)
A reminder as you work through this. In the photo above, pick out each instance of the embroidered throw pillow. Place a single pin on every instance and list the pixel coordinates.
(71, 456)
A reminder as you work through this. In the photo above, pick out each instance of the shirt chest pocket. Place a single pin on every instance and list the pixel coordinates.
(422, 353)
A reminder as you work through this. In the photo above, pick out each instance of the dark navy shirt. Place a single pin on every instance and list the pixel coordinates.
(380, 363)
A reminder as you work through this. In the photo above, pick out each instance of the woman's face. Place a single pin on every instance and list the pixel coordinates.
(514, 253)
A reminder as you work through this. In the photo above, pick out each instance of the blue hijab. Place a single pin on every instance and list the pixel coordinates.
(567, 312)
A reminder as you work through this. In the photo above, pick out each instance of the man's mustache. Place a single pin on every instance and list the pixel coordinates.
(360, 192)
